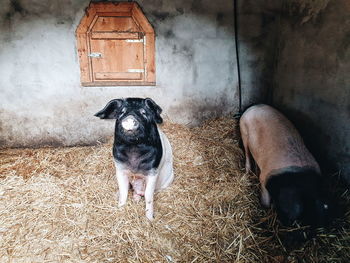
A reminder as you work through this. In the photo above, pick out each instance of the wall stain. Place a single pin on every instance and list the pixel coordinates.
(15, 7)
(184, 50)
(196, 6)
(219, 17)
(267, 19)
(169, 34)
(201, 110)
(180, 10)
(161, 16)
(344, 46)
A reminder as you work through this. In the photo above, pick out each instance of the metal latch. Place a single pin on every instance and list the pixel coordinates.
(95, 55)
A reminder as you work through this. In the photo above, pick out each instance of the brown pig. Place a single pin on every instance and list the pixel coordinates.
(289, 174)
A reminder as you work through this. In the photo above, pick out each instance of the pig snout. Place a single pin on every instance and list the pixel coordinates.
(130, 123)
(320, 212)
(289, 205)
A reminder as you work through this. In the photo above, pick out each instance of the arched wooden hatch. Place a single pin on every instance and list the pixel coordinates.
(116, 45)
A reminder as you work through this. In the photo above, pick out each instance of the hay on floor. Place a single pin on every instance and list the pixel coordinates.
(59, 205)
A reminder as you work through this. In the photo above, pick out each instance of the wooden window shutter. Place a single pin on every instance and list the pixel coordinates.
(116, 45)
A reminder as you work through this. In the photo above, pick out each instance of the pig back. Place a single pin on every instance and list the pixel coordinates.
(273, 141)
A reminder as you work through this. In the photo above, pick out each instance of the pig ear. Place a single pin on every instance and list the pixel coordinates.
(110, 111)
(155, 109)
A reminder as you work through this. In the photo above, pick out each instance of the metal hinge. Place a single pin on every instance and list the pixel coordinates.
(95, 55)
(134, 40)
(136, 70)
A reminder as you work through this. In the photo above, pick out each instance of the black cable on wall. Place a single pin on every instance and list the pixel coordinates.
(235, 14)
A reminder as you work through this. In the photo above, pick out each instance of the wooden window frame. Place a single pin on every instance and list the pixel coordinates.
(84, 34)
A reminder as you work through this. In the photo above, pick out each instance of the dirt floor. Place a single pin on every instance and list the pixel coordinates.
(59, 205)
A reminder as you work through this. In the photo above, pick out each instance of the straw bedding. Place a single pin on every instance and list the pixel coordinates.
(59, 205)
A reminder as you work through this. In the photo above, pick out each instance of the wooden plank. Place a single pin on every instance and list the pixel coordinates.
(117, 55)
(112, 6)
(117, 83)
(93, 22)
(115, 35)
(121, 14)
(141, 20)
(83, 58)
(150, 63)
(118, 75)
(86, 20)
(112, 24)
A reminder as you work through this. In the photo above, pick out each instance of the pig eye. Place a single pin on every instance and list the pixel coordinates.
(142, 111)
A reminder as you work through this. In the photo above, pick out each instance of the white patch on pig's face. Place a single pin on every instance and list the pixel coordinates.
(129, 123)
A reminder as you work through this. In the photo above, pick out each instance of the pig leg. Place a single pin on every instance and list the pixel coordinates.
(248, 165)
(151, 181)
(265, 197)
(123, 184)
(138, 186)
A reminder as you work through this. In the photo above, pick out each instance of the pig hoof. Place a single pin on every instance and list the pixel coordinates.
(121, 204)
(149, 215)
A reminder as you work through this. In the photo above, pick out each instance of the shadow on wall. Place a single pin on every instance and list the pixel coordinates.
(258, 23)
(311, 133)
(312, 78)
(294, 55)
(193, 112)
(35, 9)
(327, 145)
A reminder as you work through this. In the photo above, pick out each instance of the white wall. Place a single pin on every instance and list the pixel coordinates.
(42, 101)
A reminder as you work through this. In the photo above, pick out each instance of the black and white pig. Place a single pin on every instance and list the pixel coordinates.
(289, 174)
(141, 151)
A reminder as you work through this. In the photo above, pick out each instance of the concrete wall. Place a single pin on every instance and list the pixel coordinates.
(313, 78)
(258, 23)
(42, 101)
(294, 54)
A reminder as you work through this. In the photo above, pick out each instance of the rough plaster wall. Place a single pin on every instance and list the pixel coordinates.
(42, 101)
(258, 34)
(313, 81)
